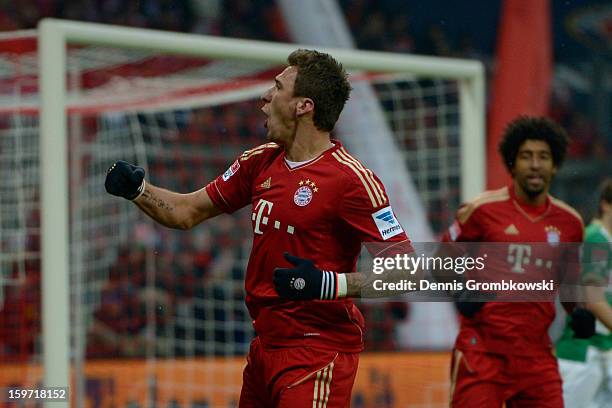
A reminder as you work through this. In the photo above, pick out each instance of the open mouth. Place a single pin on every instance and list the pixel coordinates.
(267, 118)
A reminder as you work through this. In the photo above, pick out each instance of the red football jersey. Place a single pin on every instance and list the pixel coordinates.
(519, 328)
(322, 210)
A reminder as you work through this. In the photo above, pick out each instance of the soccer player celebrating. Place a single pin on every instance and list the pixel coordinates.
(586, 364)
(503, 354)
(311, 198)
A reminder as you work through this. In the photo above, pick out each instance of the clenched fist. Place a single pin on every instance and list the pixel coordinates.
(125, 180)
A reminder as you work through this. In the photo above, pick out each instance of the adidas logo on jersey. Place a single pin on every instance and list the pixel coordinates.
(266, 184)
(511, 230)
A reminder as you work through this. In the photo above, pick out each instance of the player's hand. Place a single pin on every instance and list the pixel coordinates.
(125, 180)
(470, 302)
(582, 323)
(304, 281)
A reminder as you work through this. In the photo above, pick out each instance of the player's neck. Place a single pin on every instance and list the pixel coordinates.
(606, 222)
(308, 146)
(525, 198)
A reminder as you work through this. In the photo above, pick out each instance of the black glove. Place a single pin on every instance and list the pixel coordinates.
(305, 281)
(582, 323)
(469, 302)
(124, 180)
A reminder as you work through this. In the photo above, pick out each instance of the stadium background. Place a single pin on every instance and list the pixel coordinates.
(201, 271)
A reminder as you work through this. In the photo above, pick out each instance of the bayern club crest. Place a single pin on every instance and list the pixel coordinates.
(303, 195)
(553, 235)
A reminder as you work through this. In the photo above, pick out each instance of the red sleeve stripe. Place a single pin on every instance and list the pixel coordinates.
(220, 194)
(376, 187)
(369, 174)
(487, 197)
(246, 156)
(257, 150)
(567, 208)
(352, 167)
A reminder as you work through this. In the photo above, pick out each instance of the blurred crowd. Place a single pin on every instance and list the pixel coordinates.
(376, 25)
(175, 295)
(168, 293)
(256, 19)
(184, 289)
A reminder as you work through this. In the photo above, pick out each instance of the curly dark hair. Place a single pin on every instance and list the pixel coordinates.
(533, 128)
(605, 194)
(323, 79)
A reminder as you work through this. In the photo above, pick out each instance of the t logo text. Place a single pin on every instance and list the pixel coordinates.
(259, 217)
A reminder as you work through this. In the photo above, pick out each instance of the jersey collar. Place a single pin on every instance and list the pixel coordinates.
(336, 145)
(524, 208)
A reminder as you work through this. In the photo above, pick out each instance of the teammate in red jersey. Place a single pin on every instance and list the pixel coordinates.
(503, 354)
(309, 197)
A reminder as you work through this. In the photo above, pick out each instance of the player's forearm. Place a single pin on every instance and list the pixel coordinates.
(171, 209)
(304, 281)
(602, 311)
(354, 284)
(596, 301)
(362, 285)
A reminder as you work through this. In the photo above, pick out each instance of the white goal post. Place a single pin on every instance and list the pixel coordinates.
(54, 36)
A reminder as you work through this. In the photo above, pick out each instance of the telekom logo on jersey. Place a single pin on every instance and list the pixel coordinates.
(519, 255)
(261, 216)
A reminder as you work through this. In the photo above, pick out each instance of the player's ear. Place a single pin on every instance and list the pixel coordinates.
(304, 105)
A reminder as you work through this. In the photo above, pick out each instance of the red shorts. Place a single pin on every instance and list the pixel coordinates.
(491, 380)
(297, 377)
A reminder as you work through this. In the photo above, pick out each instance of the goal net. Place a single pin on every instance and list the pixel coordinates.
(157, 316)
